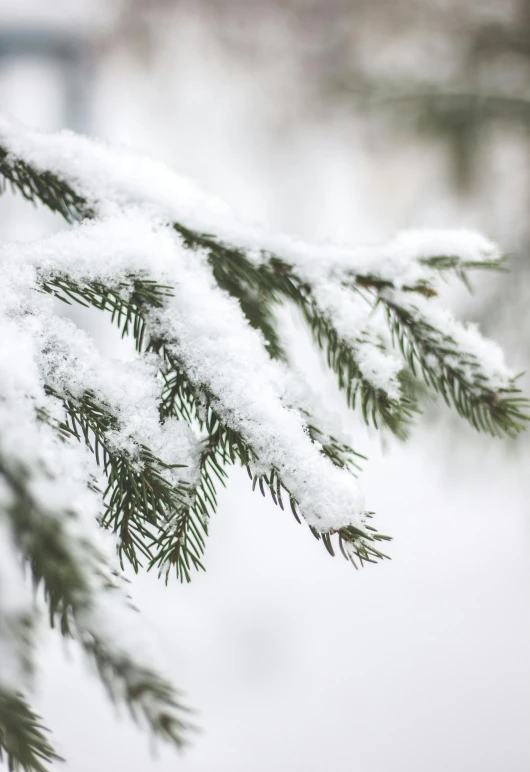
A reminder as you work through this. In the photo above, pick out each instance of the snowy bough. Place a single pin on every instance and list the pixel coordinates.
(104, 461)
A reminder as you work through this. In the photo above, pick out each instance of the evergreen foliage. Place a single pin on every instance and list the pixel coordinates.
(158, 508)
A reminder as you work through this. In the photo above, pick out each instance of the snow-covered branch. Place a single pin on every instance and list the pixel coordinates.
(89, 445)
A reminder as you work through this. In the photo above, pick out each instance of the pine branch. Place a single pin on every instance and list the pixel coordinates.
(278, 279)
(235, 448)
(70, 568)
(218, 376)
(257, 288)
(139, 500)
(24, 746)
(275, 278)
(44, 187)
(17, 611)
(272, 279)
(45, 545)
(179, 543)
(461, 268)
(456, 263)
(232, 273)
(126, 301)
(233, 270)
(182, 544)
(236, 275)
(150, 699)
(455, 374)
(375, 404)
(177, 536)
(338, 452)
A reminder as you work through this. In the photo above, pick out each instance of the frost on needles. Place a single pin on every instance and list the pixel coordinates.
(103, 462)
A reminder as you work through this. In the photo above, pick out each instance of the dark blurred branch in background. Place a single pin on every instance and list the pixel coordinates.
(448, 68)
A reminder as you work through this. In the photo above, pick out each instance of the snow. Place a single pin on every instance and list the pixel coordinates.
(399, 261)
(220, 352)
(55, 474)
(116, 181)
(481, 360)
(70, 364)
(205, 331)
(112, 178)
(137, 200)
(354, 319)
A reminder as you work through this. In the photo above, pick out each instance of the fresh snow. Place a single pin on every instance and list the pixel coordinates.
(137, 200)
(112, 178)
(219, 352)
(481, 360)
(56, 473)
(266, 402)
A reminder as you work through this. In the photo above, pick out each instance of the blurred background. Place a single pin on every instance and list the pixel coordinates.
(339, 120)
